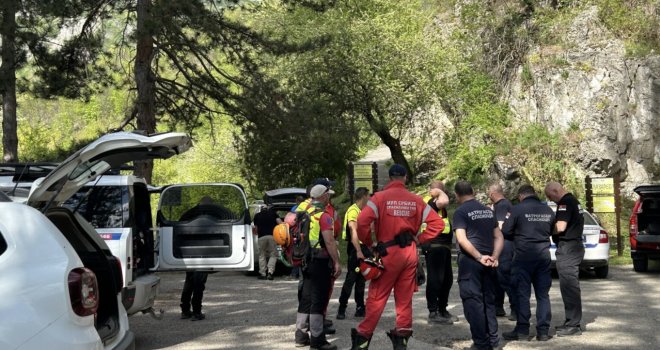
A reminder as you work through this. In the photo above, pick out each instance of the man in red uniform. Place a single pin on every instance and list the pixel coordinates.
(398, 215)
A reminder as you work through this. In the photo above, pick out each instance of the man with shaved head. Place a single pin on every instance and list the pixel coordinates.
(569, 225)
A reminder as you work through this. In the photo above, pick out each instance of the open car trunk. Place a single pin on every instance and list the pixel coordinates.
(96, 257)
(648, 215)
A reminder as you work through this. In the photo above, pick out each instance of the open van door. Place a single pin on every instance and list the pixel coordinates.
(204, 227)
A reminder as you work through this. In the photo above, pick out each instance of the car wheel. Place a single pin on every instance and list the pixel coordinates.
(601, 271)
(641, 264)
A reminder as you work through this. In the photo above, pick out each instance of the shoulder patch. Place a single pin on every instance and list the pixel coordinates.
(561, 207)
(507, 215)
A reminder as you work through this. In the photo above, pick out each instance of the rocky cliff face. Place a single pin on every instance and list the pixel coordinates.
(589, 84)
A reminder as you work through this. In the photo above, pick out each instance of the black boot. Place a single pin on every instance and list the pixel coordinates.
(399, 339)
(358, 341)
(341, 313)
(320, 343)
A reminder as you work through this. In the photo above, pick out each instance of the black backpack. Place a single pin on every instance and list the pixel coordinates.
(301, 249)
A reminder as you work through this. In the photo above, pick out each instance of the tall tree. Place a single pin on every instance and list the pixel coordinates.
(382, 64)
(59, 69)
(9, 9)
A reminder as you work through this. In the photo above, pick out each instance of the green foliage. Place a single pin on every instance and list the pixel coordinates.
(527, 77)
(636, 21)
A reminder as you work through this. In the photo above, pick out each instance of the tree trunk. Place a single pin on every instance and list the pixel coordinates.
(144, 80)
(8, 81)
(390, 141)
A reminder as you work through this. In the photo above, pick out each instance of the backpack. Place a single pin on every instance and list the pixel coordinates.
(301, 249)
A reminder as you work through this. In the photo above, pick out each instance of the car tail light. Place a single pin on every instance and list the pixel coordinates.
(604, 237)
(633, 225)
(83, 291)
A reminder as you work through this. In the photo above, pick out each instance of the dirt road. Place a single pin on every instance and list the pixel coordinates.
(620, 312)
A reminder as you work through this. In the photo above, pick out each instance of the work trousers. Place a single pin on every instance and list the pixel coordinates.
(505, 283)
(536, 273)
(569, 256)
(317, 279)
(440, 277)
(353, 278)
(476, 283)
(193, 291)
(267, 255)
(400, 274)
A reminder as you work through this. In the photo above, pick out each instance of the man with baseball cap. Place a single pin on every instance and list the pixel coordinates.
(397, 216)
(321, 270)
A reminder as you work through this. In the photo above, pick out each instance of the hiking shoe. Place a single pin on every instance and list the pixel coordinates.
(341, 313)
(302, 339)
(447, 314)
(325, 345)
(543, 337)
(499, 311)
(569, 331)
(269, 277)
(262, 277)
(359, 311)
(514, 335)
(198, 316)
(436, 317)
(186, 315)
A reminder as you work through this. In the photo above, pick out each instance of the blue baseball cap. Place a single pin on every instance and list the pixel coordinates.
(397, 170)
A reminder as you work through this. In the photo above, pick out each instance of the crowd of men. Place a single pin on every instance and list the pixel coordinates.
(503, 249)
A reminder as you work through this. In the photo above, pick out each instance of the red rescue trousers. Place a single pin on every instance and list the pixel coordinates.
(400, 275)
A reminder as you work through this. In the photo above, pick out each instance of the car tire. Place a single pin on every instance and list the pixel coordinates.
(602, 271)
(641, 264)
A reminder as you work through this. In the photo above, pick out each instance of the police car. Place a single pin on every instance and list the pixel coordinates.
(596, 245)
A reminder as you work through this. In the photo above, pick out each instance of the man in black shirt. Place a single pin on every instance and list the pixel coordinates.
(502, 207)
(480, 241)
(570, 252)
(264, 223)
(529, 225)
(437, 254)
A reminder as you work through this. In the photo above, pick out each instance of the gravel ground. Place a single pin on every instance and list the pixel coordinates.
(620, 312)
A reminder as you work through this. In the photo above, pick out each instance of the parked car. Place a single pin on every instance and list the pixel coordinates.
(645, 227)
(596, 245)
(17, 178)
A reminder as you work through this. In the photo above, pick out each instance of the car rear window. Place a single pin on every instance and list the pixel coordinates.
(103, 207)
(588, 220)
(225, 202)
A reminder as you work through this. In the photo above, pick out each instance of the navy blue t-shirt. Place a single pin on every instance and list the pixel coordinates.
(478, 221)
(502, 207)
(530, 225)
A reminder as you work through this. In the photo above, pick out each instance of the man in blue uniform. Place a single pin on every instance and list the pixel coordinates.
(480, 241)
(502, 207)
(529, 225)
(570, 252)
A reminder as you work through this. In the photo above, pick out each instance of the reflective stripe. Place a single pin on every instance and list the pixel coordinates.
(426, 213)
(373, 207)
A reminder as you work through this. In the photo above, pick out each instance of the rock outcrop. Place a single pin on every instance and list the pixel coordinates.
(589, 83)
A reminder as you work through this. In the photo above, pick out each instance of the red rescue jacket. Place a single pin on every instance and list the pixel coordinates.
(397, 210)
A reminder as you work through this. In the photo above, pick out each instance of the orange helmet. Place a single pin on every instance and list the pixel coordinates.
(371, 269)
(281, 235)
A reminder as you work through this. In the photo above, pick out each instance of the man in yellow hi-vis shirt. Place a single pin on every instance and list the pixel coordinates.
(356, 252)
(438, 260)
